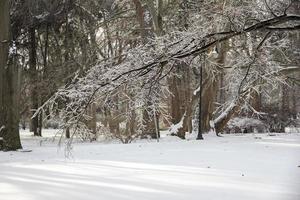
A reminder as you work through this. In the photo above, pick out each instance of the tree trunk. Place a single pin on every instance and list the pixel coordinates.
(211, 88)
(68, 135)
(92, 123)
(140, 17)
(33, 82)
(155, 9)
(222, 96)
(222, 120)
(149, 123)
(9, 90)
(295, 88)
(180, 100)
(208, 104)
(255, 100)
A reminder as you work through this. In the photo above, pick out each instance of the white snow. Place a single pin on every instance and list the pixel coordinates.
(1, 128)
(218, 168)
(225, 112)
(243, 122)
(174, 128)
(196, 91)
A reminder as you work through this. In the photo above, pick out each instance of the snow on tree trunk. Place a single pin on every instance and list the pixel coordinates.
(9, 91)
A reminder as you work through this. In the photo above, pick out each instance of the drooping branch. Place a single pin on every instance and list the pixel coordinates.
(142, 61)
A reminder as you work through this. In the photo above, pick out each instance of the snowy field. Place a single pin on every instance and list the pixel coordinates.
(240, 167)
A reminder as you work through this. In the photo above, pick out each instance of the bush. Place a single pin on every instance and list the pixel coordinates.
(245, 125)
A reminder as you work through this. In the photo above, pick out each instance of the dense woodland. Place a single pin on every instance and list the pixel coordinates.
(127, 69)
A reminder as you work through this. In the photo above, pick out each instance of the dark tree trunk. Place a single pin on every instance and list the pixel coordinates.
(33, 82)
(92, 123)
(200, 134)
(9, 90)
(68, 132)
(140, 17)
(181, 100)
(211, 88)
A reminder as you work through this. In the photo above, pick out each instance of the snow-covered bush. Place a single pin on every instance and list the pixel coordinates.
(245, 125)
(52, 123)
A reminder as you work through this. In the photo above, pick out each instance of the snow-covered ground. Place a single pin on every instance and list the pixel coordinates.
(236, 167)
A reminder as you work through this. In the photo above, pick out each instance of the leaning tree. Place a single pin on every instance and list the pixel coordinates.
(148, 64)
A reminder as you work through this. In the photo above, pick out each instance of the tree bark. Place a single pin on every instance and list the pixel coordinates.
(181, 98)
(156, 14)
(208, 104)
(148, 121)
(140, 18)
(9, 90)
(211, 88)
(33, 74)
(92, 123)
(221, 121)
